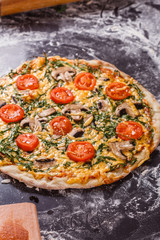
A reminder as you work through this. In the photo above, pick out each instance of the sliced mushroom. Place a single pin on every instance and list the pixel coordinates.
(103, 79)
(117, 147)
(33, 123)
(64, 73)
(2, 102)
(36, 125)
(83, 108)
(76, 133)
(87, 120)
(43, 119)
(75, 111)
(70, 107)
(44, 162)
(61, 148)
(138, 105)
(130, 110)
(106, 79)
(47, 112)
(26, 121)
(103, 105)
(54, 136)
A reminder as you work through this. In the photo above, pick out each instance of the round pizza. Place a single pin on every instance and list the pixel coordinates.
(74, 123)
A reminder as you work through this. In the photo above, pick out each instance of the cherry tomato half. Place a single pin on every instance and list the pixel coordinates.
(129, 130)
(117, 90)
(61, 95)
(85, 81)
(11, 113)
(27, 81)
(80, 151)
(27, 142)
(61, 125)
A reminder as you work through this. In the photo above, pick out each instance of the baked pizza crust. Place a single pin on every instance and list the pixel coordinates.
(155, 116)
(60, 183)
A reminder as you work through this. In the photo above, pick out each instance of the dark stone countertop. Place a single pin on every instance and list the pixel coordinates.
(125, 33)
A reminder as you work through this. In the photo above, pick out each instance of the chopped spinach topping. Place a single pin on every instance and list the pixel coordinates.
(12, 73)
(67, 164)
(104, 159)
(25, 68)
(57, 63)
(48, 74)
(140, 93)
(133, 160)
(116, 73)
(87, 165)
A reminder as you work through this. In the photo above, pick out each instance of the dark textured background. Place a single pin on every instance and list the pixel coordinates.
(127, 34)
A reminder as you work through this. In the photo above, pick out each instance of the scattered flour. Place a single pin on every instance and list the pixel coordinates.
(6, 181)
(101, 209)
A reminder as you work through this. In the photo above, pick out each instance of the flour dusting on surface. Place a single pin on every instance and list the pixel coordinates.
(121, 33)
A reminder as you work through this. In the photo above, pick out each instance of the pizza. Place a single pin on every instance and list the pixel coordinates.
(74, 123)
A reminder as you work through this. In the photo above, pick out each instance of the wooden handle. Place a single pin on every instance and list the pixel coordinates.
(16, 6)
(19, 221)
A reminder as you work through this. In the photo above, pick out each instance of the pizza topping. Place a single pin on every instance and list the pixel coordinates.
(75, 111)
(27, 81)
(61, 95)
(76, 133)
(117, 90)
(14, 99)
(26, 121)
(47, 112)
(61, 125)
(63, 73)
(100, 123)
(117, 147)
(126, 108)
(2, 155)
(44, 162)
(11, 113)
(85, 81)
(103, 79)
(27, 142)
(80, 151)
(55, 137)
(2, 102)
(138, 105)
(129, 130)
(42, 120)
(87, 120)
(33, 123)
(103, 105)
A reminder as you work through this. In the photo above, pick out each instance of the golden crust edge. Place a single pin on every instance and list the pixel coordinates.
(153, 103)
(57, 183)
(60, 183)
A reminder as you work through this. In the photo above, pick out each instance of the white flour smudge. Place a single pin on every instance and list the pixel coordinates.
(100, 209)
